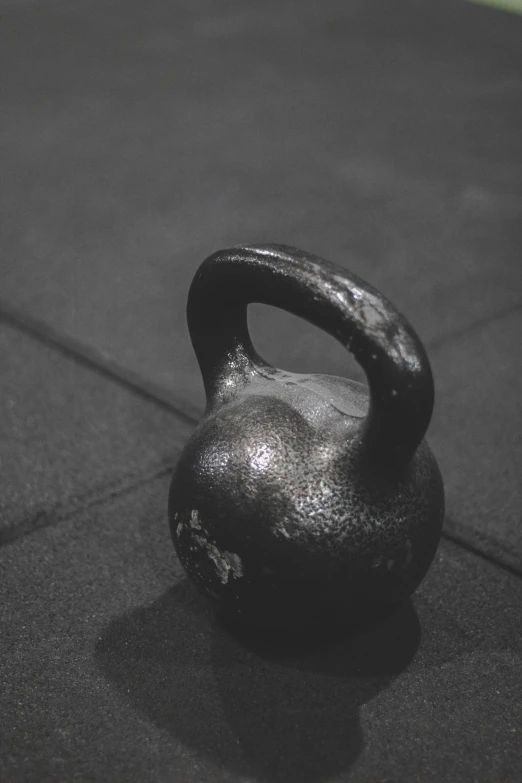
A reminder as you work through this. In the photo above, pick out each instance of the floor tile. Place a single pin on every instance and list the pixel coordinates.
(69, 436)
(113, 669)
(477, 438)
(138, 138)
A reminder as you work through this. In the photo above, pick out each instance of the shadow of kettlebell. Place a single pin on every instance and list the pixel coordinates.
(277, 712)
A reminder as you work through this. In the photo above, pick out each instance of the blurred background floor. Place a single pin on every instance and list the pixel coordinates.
(135, 139)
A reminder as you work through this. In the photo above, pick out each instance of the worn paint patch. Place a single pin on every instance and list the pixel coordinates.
(370, 314)
(280, 529)
(194, 521)
(227, 564)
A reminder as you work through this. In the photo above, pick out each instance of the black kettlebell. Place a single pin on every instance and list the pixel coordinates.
(303, 500)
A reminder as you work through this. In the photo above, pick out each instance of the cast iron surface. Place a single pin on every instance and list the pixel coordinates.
(305, 499)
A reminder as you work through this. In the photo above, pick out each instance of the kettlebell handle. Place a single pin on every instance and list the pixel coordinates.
(331, 298)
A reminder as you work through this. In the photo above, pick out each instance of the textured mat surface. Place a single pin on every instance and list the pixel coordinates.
(139, 137)
(68, 436)
(476, 435)
(112, 668)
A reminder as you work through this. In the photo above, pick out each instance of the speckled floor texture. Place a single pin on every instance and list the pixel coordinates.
(135, 139)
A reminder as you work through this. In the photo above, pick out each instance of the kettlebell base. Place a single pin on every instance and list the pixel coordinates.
(311, 630)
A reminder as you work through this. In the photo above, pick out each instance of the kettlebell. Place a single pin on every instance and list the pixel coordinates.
(304, 500)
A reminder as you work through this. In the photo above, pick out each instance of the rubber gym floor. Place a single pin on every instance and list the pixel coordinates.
(136, 138)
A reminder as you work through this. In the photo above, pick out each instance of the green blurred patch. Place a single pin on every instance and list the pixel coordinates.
(515, 6)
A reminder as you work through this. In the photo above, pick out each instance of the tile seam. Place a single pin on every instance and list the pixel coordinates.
(135, 383)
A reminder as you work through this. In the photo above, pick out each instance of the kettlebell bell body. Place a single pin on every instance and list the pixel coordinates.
(305, 500)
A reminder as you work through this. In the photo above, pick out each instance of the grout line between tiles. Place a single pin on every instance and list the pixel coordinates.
(438, 342)
(123, 487)
(58, 514)
(96, 362)
(100, 364)
(485, 545)
(474, 549)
